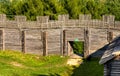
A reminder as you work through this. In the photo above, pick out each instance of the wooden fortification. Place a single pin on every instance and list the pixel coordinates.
(45, 36)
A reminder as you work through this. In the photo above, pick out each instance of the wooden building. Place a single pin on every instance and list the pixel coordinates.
(111, 58)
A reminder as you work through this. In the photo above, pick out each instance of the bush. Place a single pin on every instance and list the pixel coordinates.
(78, 47)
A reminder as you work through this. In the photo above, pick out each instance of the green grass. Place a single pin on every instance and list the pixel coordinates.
(18, 64)
(89, 68)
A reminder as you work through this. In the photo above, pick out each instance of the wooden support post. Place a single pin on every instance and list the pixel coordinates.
(61, 42)
(45, 51)
(110, 36)
(23, 41)
(70, 49)
(86, 43)
(3, 40)
(2, 44)
(64, 42)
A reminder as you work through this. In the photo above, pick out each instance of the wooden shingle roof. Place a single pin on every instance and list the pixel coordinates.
(111, 51)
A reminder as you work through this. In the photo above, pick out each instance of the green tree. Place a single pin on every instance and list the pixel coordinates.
(32, 8)
(4, 4)
(113, 7)
(53, 8)
(29, 8)
(74, 7)
(78, 47)
(95, 8)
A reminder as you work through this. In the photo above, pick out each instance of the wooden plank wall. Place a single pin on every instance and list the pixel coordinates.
(98, 38)
(54, 41)
(71, 35)
(116, 32)
(112, 68)
(12, 39)
(33, 42)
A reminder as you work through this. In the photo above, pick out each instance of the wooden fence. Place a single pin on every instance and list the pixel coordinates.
(45, 37)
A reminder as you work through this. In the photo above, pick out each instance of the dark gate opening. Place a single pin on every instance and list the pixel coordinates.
(76, 47)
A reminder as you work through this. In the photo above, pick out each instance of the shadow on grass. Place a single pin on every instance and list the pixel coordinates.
(89, 68)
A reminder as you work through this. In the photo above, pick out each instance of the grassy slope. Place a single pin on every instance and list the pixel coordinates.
(18, 64)
(89, 68)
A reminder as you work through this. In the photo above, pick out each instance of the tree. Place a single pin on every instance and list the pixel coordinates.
(33, 8)
(113, 7)
(95, 8)
(53, 8)
(74, 7)
(4, 4)
(78, 47)
(29, 8)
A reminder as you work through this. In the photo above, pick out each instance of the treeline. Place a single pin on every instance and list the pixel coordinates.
(33, 8)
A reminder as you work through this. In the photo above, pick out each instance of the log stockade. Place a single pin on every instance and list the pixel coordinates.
(45, 36)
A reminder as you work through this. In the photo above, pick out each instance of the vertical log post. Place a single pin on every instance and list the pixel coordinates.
(23, 41)
(45, 51)
(64, 42)
(110, 36)
(86, 43)
(61, 42)
(70, 49)
(2, 44)
(3, 40)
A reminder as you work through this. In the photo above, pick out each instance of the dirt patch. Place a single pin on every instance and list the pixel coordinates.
(17, 64)
(74, 60)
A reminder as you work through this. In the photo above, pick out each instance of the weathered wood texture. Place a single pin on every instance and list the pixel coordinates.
(112, 68)
(23, 39)
(59, 33)
(2, 45)
(54, 41)
(72, 35)
(70, 49)
(63, 21)
(86, 42)
(98, 38)
(109, 36)
(34, 42)
(12, 39)
(64, 42)
(116, 32)
(45, 45)
(57, 39)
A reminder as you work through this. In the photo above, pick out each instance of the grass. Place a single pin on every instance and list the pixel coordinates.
(18, 64)
(89, 68)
